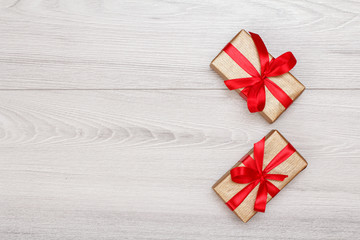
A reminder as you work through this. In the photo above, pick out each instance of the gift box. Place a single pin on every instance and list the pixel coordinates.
(264, 81)
(259, 175)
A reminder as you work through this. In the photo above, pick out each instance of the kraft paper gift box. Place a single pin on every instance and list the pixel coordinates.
(228, 69)
(275, 147)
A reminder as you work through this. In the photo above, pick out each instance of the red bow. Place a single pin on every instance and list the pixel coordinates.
(254, 86)
(253, 174)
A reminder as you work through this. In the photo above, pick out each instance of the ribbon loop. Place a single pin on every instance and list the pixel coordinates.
(256, 98)
(243, 175)
(241, 82)
(281, 65)
(254, 86)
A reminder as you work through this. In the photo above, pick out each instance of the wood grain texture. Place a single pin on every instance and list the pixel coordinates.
(113, 126)
(140, 165)
(158, 44)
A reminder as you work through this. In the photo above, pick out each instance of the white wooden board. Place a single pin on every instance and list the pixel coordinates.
(112, 125)
(140, 165)
(169, 44)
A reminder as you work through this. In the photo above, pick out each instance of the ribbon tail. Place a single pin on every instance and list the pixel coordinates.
(278, 93)
(272, 189)
(261, 198)
(243, 175)
(236, 200)
(276, 177)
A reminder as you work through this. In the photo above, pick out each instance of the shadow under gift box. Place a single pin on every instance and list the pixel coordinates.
(228, 69)
(274, 143)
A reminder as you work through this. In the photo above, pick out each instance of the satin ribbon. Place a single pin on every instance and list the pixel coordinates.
(254, 86)
(253, 174)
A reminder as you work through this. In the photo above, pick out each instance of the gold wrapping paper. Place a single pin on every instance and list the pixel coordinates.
(274, 143)
(228, 69)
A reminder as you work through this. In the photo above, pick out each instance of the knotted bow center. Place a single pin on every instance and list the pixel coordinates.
(263, 77)
(262, 177)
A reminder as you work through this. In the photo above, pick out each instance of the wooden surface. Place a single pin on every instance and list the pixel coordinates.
(113, 126)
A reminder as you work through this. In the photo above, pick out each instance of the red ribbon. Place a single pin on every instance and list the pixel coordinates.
(254, 86)
(253, 174)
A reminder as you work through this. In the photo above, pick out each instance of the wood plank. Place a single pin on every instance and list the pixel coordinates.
(169, 45)
(140, 165)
